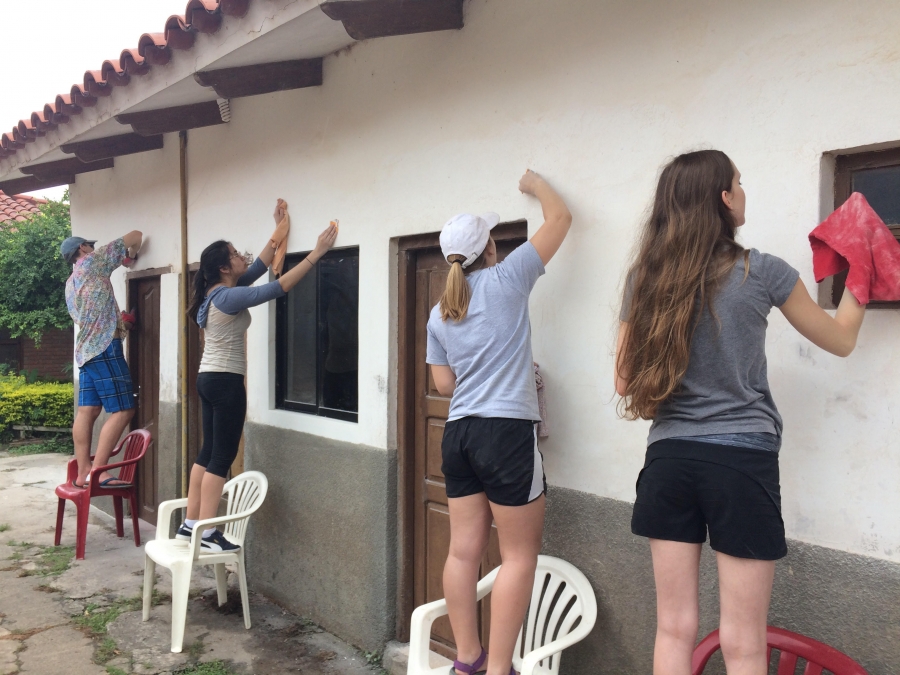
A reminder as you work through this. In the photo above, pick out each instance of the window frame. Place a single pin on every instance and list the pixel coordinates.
(281, 346)
(844, 167)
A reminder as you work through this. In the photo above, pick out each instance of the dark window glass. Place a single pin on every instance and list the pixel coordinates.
(881, 187)
(877, 176)
(318, 338)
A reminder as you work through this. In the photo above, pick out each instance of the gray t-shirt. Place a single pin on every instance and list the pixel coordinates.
(725, 389)
(489, 351)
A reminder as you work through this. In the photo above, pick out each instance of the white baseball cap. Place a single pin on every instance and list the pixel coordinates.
(467, 235)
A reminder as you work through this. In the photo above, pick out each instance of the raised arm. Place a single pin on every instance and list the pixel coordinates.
(133, 241)
(557, 218)
(326, 240)
(268, 251)
(835, 334)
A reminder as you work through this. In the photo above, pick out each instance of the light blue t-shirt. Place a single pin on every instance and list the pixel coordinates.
(489, 351)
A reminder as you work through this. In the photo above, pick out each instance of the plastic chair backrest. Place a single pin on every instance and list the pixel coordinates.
(135, 444)
(562, 600)
(245, 494)
(792, 646)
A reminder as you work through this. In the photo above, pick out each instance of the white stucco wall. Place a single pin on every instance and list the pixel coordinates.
(140, 193)
(595, 95)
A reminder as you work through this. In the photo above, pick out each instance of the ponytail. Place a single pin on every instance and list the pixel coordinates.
(455, 300)
(214, 257)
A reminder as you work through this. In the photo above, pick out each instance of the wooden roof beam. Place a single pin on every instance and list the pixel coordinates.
(16, 186)
(263, 78)
(168, 120)
(112, 146)
(365, 19)
(53, 171)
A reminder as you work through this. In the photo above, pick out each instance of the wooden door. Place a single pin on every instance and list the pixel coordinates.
(430, 519)
(143, 361)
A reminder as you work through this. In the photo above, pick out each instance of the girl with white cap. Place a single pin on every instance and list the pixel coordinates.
(479, 349)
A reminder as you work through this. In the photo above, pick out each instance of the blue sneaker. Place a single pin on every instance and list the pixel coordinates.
(217, 543)
(184, 533)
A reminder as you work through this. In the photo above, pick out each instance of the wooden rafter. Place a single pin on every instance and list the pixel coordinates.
(168, 120)
(263, 78)
(112, 146)
(365, 19)
(50, 171)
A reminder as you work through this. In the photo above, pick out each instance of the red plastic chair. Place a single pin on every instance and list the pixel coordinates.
(135, 445)
(792, 646)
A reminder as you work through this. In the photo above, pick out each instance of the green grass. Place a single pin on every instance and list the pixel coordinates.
(59, 444)
(112, 670)
(106, 651)
(209, 668)
(4, 527)
(52, 560)
(95, 618)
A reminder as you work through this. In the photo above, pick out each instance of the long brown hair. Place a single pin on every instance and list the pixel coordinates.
(457, 293)
(686, 248)
(214, 257)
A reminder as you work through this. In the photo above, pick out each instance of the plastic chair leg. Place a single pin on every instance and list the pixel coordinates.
(221, 583)
(242, 578)
(117, 508)
(60, 513)
(149, 582)
(83, 510)
(181, 586)
(132, 501)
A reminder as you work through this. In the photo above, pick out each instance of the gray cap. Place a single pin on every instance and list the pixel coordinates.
(69, 248)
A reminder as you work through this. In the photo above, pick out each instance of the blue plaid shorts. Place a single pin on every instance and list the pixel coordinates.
(105, 380)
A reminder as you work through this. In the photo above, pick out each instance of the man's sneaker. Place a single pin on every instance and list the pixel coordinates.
(216, 543)
(184, 533)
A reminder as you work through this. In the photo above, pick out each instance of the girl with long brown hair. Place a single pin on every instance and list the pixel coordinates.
(691, 357)
(479, 349)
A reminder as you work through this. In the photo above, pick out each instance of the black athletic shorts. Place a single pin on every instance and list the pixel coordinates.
(687, 487)
(495, 455)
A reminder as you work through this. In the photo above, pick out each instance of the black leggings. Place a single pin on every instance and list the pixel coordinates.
(224, 403)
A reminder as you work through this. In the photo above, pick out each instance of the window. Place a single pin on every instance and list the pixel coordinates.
(317, 338)
(10, 352)
(877, 176)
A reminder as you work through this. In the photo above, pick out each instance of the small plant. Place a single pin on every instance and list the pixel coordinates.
(4, 527)
(52, 560)
(373, 658)
(106, 651)
(112, 670)
(208, 668)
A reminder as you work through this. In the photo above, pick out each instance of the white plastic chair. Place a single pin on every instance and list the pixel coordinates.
(245, 494)
(563, 611)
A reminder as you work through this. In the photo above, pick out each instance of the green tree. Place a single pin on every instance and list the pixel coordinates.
(33, 273)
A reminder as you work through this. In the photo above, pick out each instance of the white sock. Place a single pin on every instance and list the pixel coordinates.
(190, 523)
(208, 533)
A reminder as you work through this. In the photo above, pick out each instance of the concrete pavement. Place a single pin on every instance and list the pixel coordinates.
(59, 616)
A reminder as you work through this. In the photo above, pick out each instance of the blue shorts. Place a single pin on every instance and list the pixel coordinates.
(105, 380)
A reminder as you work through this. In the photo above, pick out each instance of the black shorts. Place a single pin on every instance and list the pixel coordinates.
(687, 487)
(495, 455)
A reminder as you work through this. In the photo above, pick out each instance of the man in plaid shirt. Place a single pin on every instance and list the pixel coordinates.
(103, 376)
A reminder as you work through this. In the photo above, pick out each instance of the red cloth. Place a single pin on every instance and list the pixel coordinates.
(855, 237)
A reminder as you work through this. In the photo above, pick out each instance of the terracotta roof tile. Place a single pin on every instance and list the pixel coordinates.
(153, 49)
(18, 207)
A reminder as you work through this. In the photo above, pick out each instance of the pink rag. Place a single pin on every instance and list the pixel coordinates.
(855, 237)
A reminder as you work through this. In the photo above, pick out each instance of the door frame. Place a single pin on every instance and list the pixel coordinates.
(407, 251)
(130, 300)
